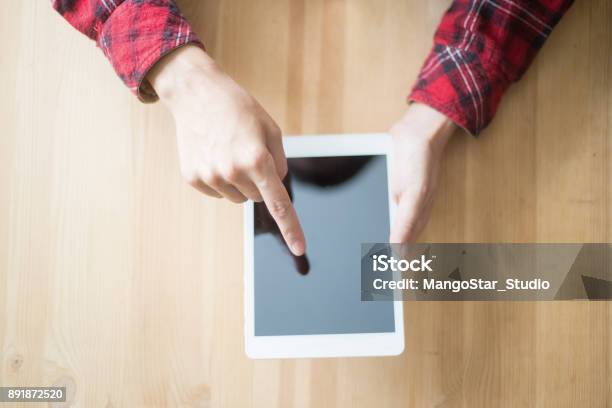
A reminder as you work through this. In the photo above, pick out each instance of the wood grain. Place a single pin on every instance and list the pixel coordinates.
(120, 282)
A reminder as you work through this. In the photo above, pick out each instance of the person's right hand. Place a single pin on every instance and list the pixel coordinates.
(228, 145)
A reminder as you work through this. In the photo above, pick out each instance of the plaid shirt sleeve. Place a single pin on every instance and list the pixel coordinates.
(133, 34)
(480, 48)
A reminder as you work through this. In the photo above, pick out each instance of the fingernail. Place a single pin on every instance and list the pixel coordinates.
(297, 247)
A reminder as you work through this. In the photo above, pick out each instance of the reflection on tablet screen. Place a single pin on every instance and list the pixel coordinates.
(341, 202)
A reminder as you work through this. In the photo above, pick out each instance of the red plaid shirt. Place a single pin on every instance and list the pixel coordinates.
(480, 47)
(133, 34)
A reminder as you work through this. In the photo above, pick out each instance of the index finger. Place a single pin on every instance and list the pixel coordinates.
(279, 205)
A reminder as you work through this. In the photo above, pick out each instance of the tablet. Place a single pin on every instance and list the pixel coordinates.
(311, 306)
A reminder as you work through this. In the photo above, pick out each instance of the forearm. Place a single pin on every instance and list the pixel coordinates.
(480, 49)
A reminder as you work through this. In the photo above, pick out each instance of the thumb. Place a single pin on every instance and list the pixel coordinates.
(405, 223)
(275, 146)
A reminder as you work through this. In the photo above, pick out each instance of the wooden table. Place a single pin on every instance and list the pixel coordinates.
(122, 283)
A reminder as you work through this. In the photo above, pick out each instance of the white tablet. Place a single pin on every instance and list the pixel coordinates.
(312, 307)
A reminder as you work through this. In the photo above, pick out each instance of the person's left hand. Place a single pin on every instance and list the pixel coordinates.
(419, 139)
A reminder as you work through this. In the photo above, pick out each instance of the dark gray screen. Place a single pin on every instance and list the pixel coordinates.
(337, 216)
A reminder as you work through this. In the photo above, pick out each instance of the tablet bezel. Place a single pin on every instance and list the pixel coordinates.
(320, 345)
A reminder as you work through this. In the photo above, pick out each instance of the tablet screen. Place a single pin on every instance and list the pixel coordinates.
(341, 202)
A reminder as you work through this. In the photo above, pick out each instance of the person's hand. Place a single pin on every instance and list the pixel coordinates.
(419, 139)
(228, 145)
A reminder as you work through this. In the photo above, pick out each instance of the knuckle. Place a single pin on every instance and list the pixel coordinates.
(234, 199)
(279, 208)
(259, 160)
(212, 179)
(195, 183)
(231, 173)
(275, 131)
(282, 168)
(252, 194)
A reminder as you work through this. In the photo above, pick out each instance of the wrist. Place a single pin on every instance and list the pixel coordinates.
(178, 70)
(427, 125)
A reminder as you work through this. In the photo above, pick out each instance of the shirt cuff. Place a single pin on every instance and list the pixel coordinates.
(457, 83)
(137, 34)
